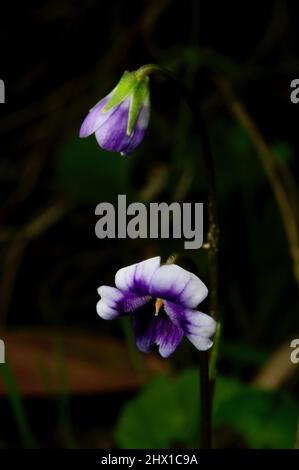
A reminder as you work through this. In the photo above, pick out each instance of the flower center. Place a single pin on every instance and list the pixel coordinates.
(158, 305)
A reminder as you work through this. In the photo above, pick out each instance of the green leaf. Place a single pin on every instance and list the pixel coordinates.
(166, 413)
(265, 419)
(187, 388)
(226, 389)
(162, 415)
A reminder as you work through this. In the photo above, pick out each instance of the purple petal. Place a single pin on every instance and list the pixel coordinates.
(138, 131)
(112, 134)
(197, 326)
(137, 277)
(95, 118)
(114, 303)
(150, 329)
(173, 283)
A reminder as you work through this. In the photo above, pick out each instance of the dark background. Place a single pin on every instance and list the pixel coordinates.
(69, 374)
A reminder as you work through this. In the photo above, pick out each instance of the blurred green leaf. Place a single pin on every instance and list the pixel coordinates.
(166, 413)
(187, 389)
(265, 419)
(154, 419)
(17, 406)
(90, 174)
(226, 389)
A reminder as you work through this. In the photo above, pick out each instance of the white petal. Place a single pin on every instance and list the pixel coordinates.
(137, 277)
(96, 117)
(197, 326)
(109, 294)
(202, 343)
(106, 311)
(107, 306)
(171, 282)
(200, 327)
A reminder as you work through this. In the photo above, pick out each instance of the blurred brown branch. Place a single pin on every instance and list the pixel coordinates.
(283, 185)
(277, 370)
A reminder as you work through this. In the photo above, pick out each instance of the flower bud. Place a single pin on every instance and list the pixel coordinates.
(119, 121)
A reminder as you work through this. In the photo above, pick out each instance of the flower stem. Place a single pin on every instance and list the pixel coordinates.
(213, 232)
(205, 399)
(207, 382)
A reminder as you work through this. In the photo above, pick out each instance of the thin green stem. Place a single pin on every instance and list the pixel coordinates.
(17, 406)
(205, 399)
(207, 384)
(213, 232)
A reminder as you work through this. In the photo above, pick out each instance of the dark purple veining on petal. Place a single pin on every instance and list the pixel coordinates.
(168, 336)
(173, 283)
(115, 303)
(191, 321)
(140, 285)
(171, 294)
(160, 330)
(177, 314)
(178, 292)
(137, 278)
(130, 302)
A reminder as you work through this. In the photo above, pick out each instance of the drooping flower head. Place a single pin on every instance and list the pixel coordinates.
(119, 121)
(175, 294)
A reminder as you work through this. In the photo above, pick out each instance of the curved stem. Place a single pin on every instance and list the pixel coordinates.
(213, 231)
(206, 382)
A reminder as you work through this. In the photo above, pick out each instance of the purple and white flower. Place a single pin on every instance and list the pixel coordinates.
(120, 120)
(174, 293)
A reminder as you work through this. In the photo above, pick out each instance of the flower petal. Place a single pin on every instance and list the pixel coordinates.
(197, 326)
(137, 277)
(160, 330)
(112, 134)
(173, 283)
(139, 130)
(114, 303)
(95, 118)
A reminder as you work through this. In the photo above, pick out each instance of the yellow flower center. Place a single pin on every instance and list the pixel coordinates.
(158, 305)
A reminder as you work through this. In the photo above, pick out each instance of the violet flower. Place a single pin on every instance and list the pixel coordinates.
(175, 293)
(119, 121)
